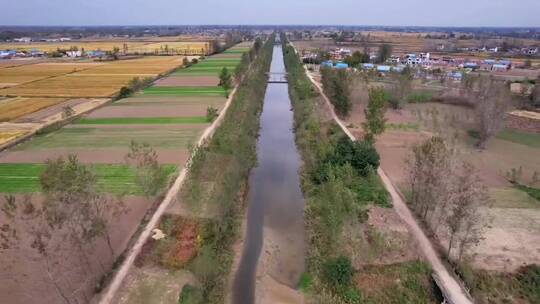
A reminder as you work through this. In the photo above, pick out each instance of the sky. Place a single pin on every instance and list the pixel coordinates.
(311, 12)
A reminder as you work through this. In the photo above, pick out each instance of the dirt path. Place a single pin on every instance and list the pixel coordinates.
(122, 272)
(452, 288)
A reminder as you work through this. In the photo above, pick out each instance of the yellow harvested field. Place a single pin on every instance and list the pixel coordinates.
(6, 136)
(12, 108)
(146, 66)
(102, 79)
(129, 47)
(31, 72)
(72, 85)
(173, 47)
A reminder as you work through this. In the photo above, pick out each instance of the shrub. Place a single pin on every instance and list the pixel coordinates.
(339, 271)
(211, 114)
(190, 295)
(360, 154)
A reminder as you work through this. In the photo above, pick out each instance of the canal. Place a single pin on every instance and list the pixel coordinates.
(275, 226)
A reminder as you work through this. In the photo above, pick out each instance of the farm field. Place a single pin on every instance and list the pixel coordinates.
(99, 80)
(130, 47)
(13, 108)
(14, 76)
(169, 118)
(185, 91)
(515, 215)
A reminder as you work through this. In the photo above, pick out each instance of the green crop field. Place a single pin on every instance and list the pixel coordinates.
(141, 120)
(184, 91)
(116, 179)
(166, 136)
(224, 60)
(236, 51)
(216, 63)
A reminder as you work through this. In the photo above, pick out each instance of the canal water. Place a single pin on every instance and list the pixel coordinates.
(276, 205)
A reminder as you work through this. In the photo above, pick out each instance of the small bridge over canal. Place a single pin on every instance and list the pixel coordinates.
(277, 77)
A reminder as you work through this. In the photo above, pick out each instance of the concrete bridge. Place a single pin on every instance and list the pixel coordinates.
(277, 78)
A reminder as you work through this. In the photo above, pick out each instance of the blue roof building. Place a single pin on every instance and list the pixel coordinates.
(384, 68)
(341, 65)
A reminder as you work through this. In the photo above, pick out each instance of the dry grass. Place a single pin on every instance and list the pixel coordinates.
(6, 136)
(13, 108)
(94, 80)
(132, 46)
(74, 85)
(147, 66)
(32, 72)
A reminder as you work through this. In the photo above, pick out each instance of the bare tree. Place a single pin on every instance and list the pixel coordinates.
(151, 177)
(491, 99)
(25, 224)
(465, 220)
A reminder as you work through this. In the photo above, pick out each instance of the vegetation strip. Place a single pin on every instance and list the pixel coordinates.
(338, 190)
(225, 163)
(111, 178)
(142, 120)
(185, 91)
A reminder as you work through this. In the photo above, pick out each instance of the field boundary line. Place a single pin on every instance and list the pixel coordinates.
(450, 286)
(122, 272)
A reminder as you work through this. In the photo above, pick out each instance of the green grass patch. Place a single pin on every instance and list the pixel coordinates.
(514, 197)
(521, 286)
(519, 137)
(236, 51)
(93, 137)
(408, 282)
(420, 97)
(141, 120)
(184, 91)
(216, 63)
(403, 126)
(531, 191)
(115, 179)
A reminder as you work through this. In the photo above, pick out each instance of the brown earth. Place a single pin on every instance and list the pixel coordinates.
(24, 277)
(187, 81)
(41, 115)
(162, 101)
(186, 243)
(97, 156)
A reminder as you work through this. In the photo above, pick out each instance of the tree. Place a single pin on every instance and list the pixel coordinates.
(429, 172)
(361, 155)
(491, 99)
(151, 177)
(185, 62)
(67, 112)
(465, 220)
(401, 88)
(374, 112)
(336, 85)
(72, 200)
(225, 79)
(357, 58)
(28, 221)
(535, 95)
(211, 114)
(385, 51)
